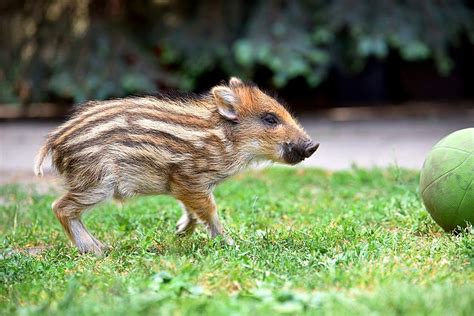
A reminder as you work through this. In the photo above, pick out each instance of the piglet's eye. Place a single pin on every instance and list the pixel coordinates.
(270, 119)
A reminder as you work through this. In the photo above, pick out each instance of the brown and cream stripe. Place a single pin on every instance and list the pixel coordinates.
(132, 123)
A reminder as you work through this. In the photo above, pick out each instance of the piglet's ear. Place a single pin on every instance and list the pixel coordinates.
(227, 102)
(234, 82)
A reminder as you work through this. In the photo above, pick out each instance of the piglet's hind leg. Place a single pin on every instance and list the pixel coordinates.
(186, 224)
(68, 210)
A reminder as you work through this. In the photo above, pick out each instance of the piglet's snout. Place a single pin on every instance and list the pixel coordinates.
(311, 149)
(297, 152)
(306, 149)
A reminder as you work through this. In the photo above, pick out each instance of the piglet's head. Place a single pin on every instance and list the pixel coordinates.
(261, 125)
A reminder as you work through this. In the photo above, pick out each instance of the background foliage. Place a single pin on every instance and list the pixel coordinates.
(82, 49)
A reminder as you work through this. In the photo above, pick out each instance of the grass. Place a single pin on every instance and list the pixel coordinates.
(310, 242)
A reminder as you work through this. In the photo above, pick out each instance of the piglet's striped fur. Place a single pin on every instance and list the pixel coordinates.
(182, 147)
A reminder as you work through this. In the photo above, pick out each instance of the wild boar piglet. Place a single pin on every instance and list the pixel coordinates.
(163, 145)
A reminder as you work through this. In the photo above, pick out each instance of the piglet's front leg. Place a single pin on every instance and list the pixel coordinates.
(203, 207)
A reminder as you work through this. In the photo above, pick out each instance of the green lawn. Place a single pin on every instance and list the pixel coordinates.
(309, 241)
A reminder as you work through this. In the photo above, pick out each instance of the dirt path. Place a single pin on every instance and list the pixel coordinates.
(404, 142)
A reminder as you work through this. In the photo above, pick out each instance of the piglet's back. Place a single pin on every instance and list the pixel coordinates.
(146, 132)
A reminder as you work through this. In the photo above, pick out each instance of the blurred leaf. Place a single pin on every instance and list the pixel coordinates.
(243, 52)
(415, 50)
(133, 82)
(372, 46)
(322, 36)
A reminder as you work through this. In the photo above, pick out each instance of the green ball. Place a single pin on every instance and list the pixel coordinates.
(446, 182)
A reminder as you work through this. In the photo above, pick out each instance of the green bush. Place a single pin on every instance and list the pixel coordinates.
(82, 49)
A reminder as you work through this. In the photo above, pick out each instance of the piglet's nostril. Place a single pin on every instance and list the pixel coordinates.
(310, 149)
